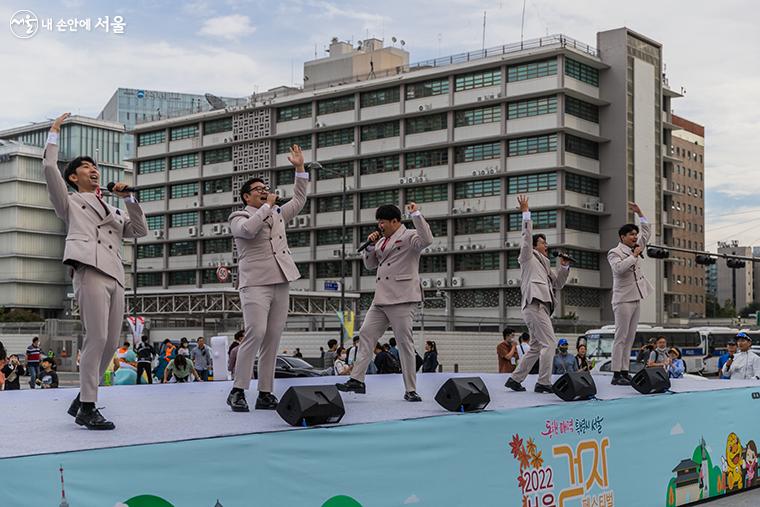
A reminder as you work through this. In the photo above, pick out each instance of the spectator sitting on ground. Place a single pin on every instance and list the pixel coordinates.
(181, 369)
(564, 362)
(677, 367)
(729, 354)
(48, 377)
(581, 362)
(329, 357)
(659, 358)
(340, 367)
(430, 361)
(12, 371)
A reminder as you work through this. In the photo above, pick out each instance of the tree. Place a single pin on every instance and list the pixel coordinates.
(752, 308)
(17, 315)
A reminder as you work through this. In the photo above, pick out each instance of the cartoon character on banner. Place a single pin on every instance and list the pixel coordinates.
(733, 463)
(750, 464)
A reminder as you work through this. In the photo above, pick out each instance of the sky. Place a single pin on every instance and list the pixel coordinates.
(237, 47)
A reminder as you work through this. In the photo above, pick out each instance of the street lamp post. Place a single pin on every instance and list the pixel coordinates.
(343, 261)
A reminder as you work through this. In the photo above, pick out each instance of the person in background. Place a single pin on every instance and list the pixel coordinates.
(298, 353)
(184, 347)
(645, 351)
(506, 351)
(564, 362)
(329, 357)
(236, 341)
(393, 349)
(168, 352)
(384, 361)
(581, 362)
(677, 367)
(33, 357)
(340, 367)
(659, 356)
(745, 364)
(48, 377)
(180, 370)
(3, 363)
(430, 361)
(145, 356)
(201, 356)
(729, 354)
(12, 371)
(353, 350)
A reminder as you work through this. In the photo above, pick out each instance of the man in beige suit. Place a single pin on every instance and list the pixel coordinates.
(265, 270)
(538, 284)
(629, 287)
(95, 230)
(396, 258)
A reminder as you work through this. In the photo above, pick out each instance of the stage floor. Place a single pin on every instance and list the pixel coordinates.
(35, 422)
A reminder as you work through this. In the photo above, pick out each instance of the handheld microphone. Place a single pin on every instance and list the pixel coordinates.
(125, 189)
(367, 243)
(565, 256)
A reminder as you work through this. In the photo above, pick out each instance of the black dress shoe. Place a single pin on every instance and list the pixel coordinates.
(236, 401)
(541, 388)
(353, 386)
(74, 407)
(412, 396)
(514, 385)
(92, 419)
(266, 401)
(625, 375)
(620, 381)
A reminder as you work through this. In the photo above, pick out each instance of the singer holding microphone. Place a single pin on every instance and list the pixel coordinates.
(265, 270)
(396, 257)
(93, 240)
(629, 287)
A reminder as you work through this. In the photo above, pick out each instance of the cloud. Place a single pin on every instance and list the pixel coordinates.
(677, 430)
(412, 499)
(230, 27)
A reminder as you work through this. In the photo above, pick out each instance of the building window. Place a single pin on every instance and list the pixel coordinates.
(379, 97)
(217, 245)
(148, 138)
(155, 222)
(182, 278)
(544, 219)
(480, 79)
(304, 141)
(481, 188)
(437, 227)
(532, 107)
(295, 112)
(380, 130)
(333, 236)
(420, 159)
(179, 248)
(433, 264)
(426, 123)
(334, 203)
(217, 156)
(151, 166)
(151, 194)
(299, 239)
(477, 225)
(150, 251)
(479, 298)
(430, 193)
(581, 72)
(474, 152)
(582, 147)
(330, 269)
(581, 222)
(183, 219)
(477, 116)
(216, 126)
(335, 137)
(216, 216)
(581, 109)
(532, 145)
(183, 190)
(427, 88)
(531, 183)
(581, 184)
(183, 161)
(476, 261)
(149, 279)
(286, 177)
(217, 186)
(532, 70)
(185, 132)
(378, 165)
(334, 170)
(335, 105)
(376, 199)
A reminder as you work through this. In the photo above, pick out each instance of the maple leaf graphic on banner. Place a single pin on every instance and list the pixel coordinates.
(516, 445)
(530, 445)
(537, 460)
(523, 458)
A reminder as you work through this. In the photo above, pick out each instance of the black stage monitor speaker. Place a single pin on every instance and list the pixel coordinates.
(311, 405)
(463, 394)
(651, 380)
(575, 385)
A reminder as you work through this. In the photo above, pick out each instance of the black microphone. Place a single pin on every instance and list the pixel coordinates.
(565, 256)
(125, 189)
(367, 243)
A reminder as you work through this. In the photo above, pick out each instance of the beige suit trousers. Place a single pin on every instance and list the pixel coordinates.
(542, 343)
(400, 318)
(626, 322)
(265, 310)
(101, 309)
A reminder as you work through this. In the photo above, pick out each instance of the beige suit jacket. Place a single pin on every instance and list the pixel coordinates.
(263, 253)
(628, 282)
(537, 280)
(93, 237)
(397, 261)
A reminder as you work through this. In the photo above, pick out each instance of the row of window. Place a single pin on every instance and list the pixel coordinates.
(187, 277)
(211, 216)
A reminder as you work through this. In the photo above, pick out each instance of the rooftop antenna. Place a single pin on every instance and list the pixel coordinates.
(522, 26)
(315, 50)
(483, 45)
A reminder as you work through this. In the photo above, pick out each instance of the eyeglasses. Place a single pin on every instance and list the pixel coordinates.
(258, 189)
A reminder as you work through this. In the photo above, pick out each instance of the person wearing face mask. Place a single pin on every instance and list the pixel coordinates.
(745, 364)
(340, 367)
(659, 356)
(564, 362)
(94, 236)
(629, 287)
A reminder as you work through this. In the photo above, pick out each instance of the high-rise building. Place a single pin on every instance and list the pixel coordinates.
(31, 236)
(581, 130)
(684, 199)
(735, 285)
